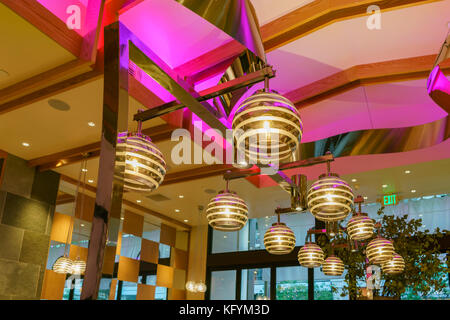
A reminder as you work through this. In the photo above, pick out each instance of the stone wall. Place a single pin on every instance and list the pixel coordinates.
(27, 204)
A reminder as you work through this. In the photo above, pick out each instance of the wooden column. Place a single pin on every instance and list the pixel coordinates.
(108, 202)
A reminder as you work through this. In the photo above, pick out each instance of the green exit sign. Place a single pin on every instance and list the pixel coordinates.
(390, 200)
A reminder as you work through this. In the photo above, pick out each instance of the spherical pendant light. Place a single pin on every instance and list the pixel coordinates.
(227, 212)
(360, 227)
(201, 287)
(191, 286)
(143, 164)
(379, 250)
(310, 255)
(330, 198)
(279, 239)
(78, 267)
(394, 266)
(63, 265)
(267, 128)
(333, 266)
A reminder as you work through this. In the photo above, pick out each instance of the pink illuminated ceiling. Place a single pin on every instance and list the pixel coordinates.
(174, 33)
(60, 8)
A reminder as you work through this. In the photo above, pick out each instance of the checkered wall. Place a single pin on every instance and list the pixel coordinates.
(148, 262)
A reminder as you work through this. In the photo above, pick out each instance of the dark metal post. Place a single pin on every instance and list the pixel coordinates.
(108, 202)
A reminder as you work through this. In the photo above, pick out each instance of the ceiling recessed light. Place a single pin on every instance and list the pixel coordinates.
(91, 180)
(122, 218)
(138, 201)
(82, 225)
(384, 185)
(225, 237)
(181, 196)
(413, 190)
(185, 220)
(91, 124)
(25, 144)
(177, 210)
(407, 171)
(365, 198)
(420, 215)
(353, 180)
(84, 170)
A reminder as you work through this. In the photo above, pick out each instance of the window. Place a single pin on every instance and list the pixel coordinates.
(328, 287)
(223, 285)
(255, 284)
(292, 283)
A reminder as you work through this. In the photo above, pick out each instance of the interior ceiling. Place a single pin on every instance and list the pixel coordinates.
(328, 50)
(26, 51)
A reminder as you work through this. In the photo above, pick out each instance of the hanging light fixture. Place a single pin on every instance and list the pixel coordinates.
(191, 286)
(279, 238)
(330, 198)
(143, 164)
(201, 287)
(64, 265)
(310, 255)
(227, 212)
(267, 127)
(379, 250)
(394, 266)
(333, 266)
(78, 265)
(360, 226)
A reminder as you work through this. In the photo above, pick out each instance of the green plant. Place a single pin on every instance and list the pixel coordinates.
(424, 272)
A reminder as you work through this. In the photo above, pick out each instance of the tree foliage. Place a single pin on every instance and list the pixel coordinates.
(424, 271)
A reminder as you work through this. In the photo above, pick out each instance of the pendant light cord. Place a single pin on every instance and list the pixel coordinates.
(83, 190)
(70, 230)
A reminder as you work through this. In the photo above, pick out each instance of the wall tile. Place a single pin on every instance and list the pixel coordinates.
(180, 259)
(2, 202)
(45, 186)
(128, 269)
(18, 176)
(133, 224)
(168, 235)
(145, 292)
(10, 242)
(182, 240)
(149, 251)
(18, 279)
(24, 213)
(34, 248)
(164, 276)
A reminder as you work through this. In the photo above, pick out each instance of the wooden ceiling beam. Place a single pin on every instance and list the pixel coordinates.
(365, 74)
(74, 155)
(290, 27)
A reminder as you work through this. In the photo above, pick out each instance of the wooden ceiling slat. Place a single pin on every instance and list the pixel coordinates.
(371, 73)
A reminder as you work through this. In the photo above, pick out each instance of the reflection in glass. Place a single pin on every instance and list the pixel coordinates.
(223, 285)
(292, 283)
(255, 284)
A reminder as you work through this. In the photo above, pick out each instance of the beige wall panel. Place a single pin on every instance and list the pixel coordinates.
(164, 276)
(145, 292)
(133, 224)
(168, 235)
(60, 227)
(182, 240)
(149, 251)
(53, 286)
(197, 259)
(128, 269)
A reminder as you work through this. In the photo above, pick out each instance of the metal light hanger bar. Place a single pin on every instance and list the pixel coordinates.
(223, 88)
(292, 165)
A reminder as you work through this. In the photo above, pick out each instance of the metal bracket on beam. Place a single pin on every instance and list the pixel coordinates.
(223, 88)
